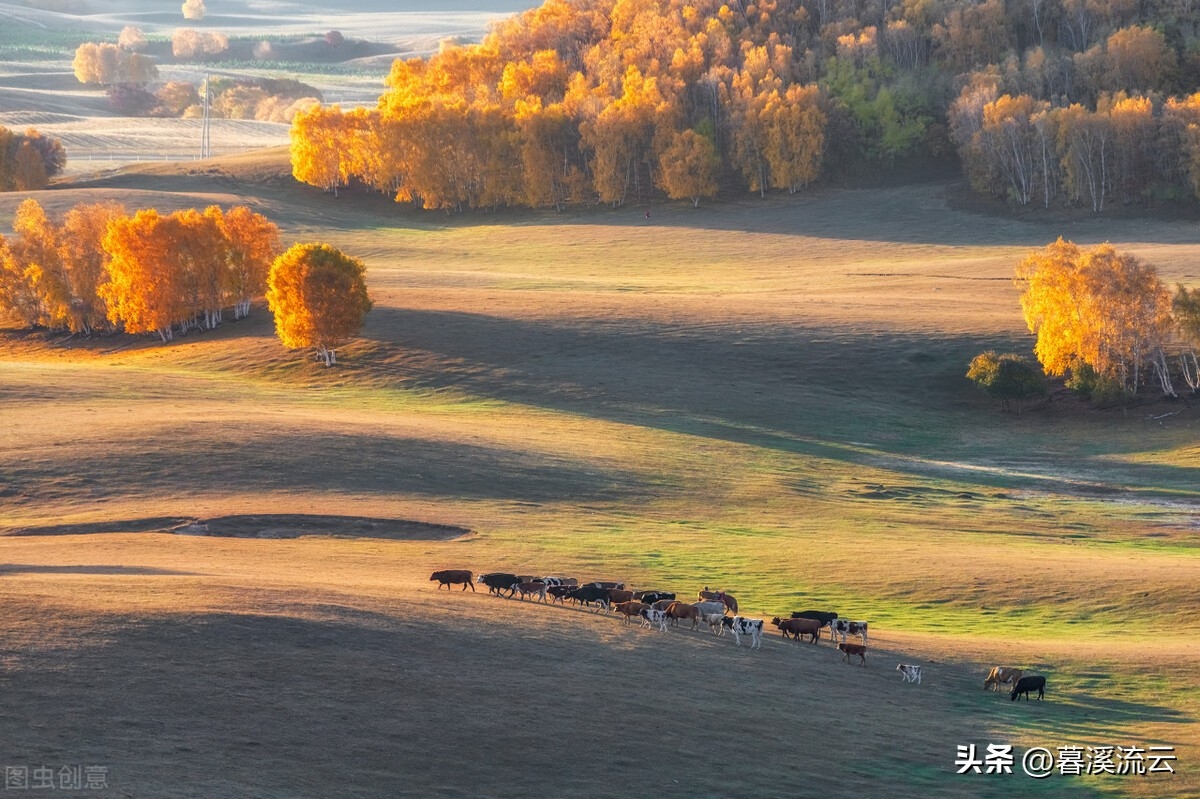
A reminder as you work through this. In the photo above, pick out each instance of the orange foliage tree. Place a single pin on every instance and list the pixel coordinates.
(86, 263)
(319, 155)
(149, 272)
(1101, 315)
(319, 297)
(251, 244)
(143, 293)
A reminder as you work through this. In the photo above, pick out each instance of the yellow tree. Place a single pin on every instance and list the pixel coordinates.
(36, 252)
(1134, 132)
(619, 136)
(251, 244)
(199, 254)
(144, 291)
(319, 297)
(1098, 312)
(86, 263)
(17, 295)
(688, 165)
(795, 137)
(319, 156)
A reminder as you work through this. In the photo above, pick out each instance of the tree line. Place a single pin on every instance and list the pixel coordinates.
(100, 269)
(612, 100)
(1104, 321)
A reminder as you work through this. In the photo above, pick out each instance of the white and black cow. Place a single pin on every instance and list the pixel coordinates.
(739, 626)
(651, 617)
(650, 597)
(843, 628)
(910, 673)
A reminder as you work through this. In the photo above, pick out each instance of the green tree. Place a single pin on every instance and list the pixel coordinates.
(1008, 377)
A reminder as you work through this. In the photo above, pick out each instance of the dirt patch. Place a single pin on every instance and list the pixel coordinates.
(269, 525)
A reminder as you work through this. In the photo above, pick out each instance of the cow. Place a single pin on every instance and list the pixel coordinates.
(682, 610)
(740, 626)
(823, 616)
(842, 627)
(910, 673)
(534, 588)
(651, 617)
(587, 594)
(719, 596)
(570, 581)
(606, 584)
(650, 597)
(711, 614)
(499, 581)
(1034, 682)
(798, 627)
(662, 604)
(558, 592)
(1000, 675)
(630, 608)
(853, 649)
(450, 577)
(615, 596)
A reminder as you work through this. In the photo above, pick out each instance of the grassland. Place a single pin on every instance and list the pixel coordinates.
(763, 396)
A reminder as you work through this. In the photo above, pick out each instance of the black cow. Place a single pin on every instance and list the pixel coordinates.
(1026, 684)
(822, 616)
(650, 597)
(499, 581)
(587, 594)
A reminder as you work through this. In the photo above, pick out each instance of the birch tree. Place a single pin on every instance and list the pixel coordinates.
(319, 297)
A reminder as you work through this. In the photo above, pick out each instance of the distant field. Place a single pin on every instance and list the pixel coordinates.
(762, 396)
(38, 87)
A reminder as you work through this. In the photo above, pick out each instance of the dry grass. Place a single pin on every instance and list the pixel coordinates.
(768, 397)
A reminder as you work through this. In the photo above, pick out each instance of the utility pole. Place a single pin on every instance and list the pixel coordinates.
(205, 140)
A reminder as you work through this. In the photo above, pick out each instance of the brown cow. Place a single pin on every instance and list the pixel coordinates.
(662, 604)
(682, 610)
(450, 577)
(719, 596)
(526, 589)
(999, 675)
(630, 609)
(616, 596)
(798, 627)
(853, 649)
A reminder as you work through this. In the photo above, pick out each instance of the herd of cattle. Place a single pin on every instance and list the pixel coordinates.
(657, 609)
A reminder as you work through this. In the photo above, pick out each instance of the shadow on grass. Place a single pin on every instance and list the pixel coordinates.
(142, 525)
(22, 568)
(263, 525)
(254, 457)
(815, 391)
(323, 699)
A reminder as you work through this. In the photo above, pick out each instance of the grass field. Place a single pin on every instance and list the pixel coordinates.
(762, 396)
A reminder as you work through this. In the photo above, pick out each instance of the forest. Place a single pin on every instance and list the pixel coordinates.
(1044, 103)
